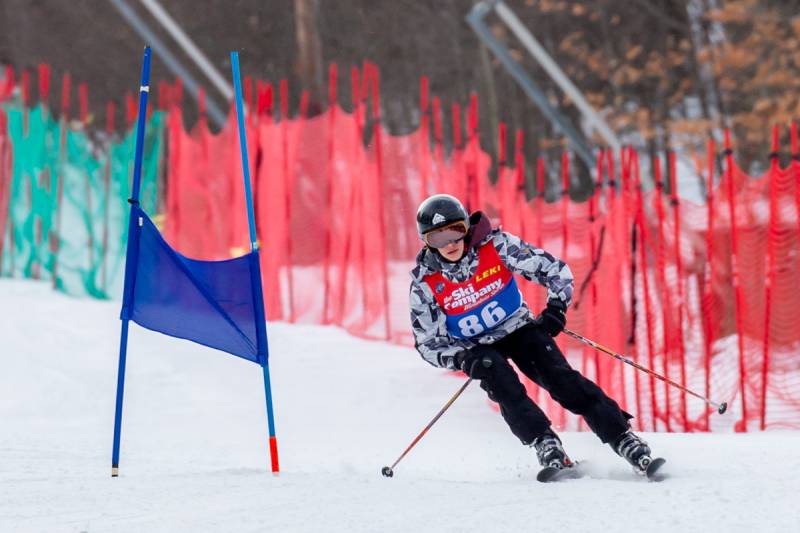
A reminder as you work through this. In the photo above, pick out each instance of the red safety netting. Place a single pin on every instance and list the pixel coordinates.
(6, 89)
(701, 294)
(207, 216)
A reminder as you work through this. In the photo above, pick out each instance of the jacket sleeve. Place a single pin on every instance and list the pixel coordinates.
(534, 264)
(428, 323)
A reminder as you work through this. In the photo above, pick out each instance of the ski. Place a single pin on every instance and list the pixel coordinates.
(549, 474)
(652, 471)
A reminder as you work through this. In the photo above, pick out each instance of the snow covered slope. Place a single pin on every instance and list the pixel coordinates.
(194, 449)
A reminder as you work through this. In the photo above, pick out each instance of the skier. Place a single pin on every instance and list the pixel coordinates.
(468, 314)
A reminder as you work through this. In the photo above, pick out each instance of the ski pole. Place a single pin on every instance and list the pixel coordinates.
(721, 407)
(388, 471)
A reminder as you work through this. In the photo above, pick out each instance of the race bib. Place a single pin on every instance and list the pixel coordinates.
(480, 303)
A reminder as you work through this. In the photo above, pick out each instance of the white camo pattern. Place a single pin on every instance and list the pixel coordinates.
(428, 321)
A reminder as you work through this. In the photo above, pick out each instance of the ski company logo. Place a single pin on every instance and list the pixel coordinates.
(437, 218)
(467, 297)
(439, 287)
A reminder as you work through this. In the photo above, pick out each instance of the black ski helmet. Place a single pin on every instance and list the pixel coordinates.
(438, 211)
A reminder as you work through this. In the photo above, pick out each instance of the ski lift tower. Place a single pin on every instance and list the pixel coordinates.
(476, 19)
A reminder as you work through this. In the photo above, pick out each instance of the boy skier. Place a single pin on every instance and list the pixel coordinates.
(468, 314)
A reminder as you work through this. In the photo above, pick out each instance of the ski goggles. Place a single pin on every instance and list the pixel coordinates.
(441, 237)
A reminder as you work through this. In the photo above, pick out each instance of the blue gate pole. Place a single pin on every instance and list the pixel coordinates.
(255, 267)
(131, 257)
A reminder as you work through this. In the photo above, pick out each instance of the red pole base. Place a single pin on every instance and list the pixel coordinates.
(273, 454)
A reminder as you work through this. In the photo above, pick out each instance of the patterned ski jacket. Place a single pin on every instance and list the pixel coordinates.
(428, 320)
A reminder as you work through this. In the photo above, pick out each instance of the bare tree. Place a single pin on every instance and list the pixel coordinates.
(310, 70)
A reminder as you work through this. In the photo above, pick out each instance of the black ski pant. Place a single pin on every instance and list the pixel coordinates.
(537, 356)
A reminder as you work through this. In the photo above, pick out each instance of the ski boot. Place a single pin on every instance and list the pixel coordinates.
(550, 453)
(633, 449)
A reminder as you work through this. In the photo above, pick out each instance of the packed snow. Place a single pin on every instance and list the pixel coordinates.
(194, 455)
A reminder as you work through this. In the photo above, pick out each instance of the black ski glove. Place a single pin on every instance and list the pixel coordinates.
(553, 318)
(474, 362)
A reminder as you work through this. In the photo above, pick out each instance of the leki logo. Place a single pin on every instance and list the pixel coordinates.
(437, 218)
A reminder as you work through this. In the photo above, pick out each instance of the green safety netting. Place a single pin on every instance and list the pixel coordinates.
(68, 210)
